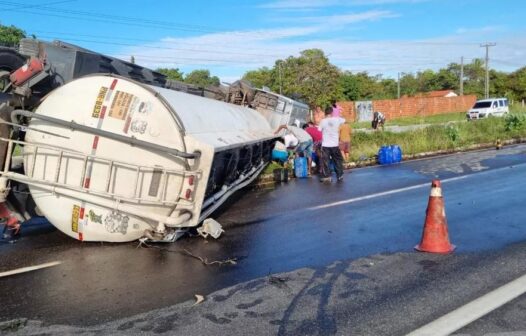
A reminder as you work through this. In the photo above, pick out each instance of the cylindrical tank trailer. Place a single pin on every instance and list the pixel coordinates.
(109, 159)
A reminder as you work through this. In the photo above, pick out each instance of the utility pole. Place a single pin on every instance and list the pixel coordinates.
(398, 85)
(279, 73)
(462, 76)
(487, 45)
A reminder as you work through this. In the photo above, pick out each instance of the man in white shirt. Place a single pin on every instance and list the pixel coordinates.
(329, 127)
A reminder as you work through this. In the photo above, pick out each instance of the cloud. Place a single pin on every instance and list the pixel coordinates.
(480, 30)
(345, 19)
(253, 48)
(250, 35)
(230, 54)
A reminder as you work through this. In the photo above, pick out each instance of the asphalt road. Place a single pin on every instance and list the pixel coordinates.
(346, 249)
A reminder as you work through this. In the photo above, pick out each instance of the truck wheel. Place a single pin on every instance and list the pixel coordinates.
(10, 60)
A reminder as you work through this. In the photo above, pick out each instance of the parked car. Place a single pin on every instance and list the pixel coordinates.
(484, 108)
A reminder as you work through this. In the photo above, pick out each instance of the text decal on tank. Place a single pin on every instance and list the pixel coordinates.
(75, 219)
(121, 105)
(98, 103)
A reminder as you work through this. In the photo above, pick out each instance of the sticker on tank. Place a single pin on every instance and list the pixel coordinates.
(121, 105)
(116, 222)
(137, 118)
(139, 126)
(94, 218)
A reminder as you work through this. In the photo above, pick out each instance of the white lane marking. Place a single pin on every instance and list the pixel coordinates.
(29, 268)
(474, 310)
(396, 191)
(384, 193)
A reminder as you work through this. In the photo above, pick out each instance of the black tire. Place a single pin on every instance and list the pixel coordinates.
(10, 60)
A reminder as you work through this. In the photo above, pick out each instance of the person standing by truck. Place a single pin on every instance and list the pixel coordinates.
(345, 140)
(316, 135)
(330, 129)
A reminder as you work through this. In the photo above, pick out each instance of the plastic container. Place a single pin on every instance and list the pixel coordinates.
(278, 155)
(397, 153)
(300, 167)
(385, 155)
(389, 154)
(281, 175)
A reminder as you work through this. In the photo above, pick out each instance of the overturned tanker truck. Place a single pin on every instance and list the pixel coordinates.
(110, 151)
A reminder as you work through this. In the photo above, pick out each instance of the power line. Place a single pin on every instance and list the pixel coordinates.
(91, 15)
(131, 21)
(172, 48)
(91, 20)
(24, 6)
(424, 61)
(61, 36)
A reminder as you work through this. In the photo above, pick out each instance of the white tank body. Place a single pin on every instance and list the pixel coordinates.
(98, 188)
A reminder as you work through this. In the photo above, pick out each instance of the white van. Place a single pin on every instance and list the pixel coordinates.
(488, 107)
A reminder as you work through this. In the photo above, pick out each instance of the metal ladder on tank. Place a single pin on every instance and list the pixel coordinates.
(88, 159)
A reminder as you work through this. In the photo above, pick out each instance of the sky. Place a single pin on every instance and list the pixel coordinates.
(231, 37)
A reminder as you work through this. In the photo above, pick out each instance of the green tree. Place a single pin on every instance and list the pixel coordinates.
(10, 35)
(475, 78)
(202, 78)
(310, 76)
(359, 86)
(389, 89)
(261, 77)
(426, 81)
(171, 73)
(447, 79)
(517, 84)
(499, 84)
(409, 85)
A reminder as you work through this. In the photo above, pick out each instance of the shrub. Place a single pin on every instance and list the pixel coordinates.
(514, 122)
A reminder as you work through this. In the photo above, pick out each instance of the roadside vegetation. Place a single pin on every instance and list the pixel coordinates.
(441, 137)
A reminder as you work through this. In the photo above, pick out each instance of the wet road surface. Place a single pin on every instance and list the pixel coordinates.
(299, 224)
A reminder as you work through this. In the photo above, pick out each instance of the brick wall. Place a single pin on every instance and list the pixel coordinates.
(422, 106)
(408, 106)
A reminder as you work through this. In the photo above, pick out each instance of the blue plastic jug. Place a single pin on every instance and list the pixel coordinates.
(300, 167)
(385, 155)
(397, 153)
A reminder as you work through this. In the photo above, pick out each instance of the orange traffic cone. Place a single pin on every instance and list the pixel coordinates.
(435, 238)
